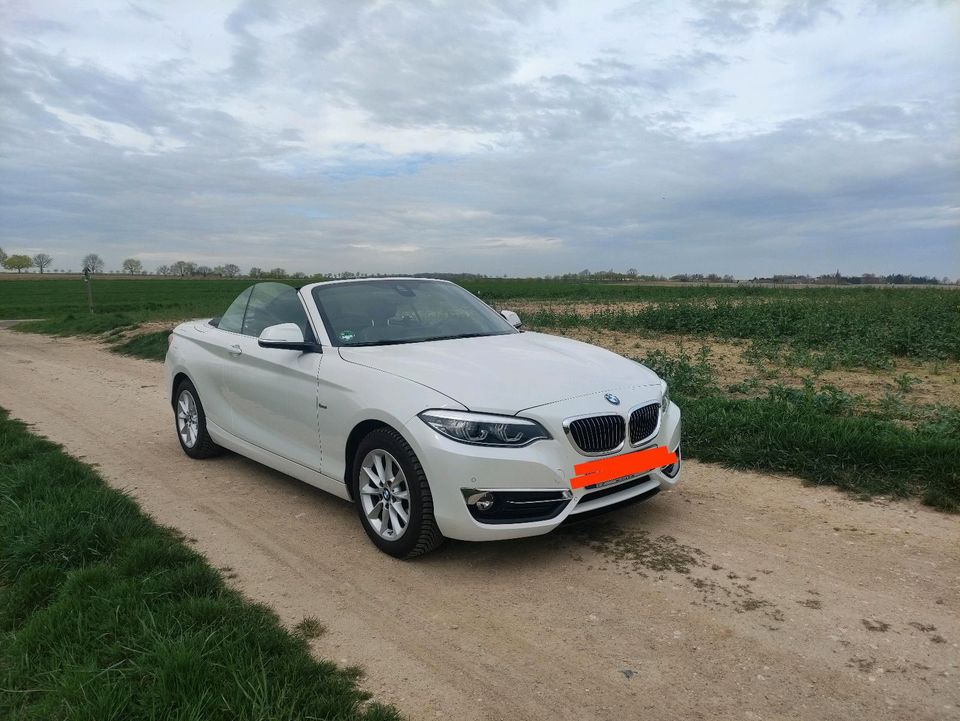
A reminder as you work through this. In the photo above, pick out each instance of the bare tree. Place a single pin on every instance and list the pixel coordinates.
(42, 260)
(132, 266)
(18, 263)
(183, 268)
(231, 271)
(163, 270)
(3, 256)
(203, 270)
(93, 263)
(276, 273)
(255, 272)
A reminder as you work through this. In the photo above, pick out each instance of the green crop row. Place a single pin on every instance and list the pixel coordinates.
(856, 328)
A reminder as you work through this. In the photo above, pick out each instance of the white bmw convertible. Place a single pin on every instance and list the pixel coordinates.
(436, 415)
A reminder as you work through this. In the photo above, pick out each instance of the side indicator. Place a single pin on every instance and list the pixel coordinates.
(608, 469)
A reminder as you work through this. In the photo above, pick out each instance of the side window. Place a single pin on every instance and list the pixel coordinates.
(232, 319)
(273, 303)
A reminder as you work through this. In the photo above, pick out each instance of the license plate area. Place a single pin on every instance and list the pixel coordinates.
(614, 482)
(621, 468)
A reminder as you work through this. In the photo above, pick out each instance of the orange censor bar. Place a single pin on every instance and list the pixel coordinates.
(629, 464)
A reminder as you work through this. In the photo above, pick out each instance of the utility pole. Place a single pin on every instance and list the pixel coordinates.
(86, 280)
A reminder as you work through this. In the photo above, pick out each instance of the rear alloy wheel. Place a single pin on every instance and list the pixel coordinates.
(192, 423)
(393, 497)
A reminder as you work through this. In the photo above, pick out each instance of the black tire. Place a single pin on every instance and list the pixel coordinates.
(203, 447)
(422, 534)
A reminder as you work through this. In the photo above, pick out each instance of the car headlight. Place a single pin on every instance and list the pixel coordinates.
(481, 429)
(664, 397)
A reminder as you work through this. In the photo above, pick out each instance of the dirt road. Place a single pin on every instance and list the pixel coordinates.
(736, 596)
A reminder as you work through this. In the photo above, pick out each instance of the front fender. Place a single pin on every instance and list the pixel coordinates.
(352, 395)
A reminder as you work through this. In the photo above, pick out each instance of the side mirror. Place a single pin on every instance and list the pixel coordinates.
(285, 336)
(512, 318)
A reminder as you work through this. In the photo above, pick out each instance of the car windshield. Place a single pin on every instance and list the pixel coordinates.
(384, 312)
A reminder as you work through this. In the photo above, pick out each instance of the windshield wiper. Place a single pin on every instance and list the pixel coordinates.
(369, 343)
(462, 335)
(417, 340)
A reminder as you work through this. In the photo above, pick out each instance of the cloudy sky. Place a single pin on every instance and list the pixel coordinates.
(728, 136)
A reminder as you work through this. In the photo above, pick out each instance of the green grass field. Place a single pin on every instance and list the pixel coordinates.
(833, 327)
(174, 298)
(137, 300)
(105, 615)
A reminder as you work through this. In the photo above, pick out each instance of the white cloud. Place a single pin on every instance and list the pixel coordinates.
(518, 242)
(501, 137)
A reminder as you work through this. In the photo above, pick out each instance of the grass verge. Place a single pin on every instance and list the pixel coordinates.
(814, 434)
(105, 615)
(80, 324)
(152, 346)
(111, 328)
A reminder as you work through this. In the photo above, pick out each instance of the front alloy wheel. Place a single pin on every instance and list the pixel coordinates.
(385, 497)
(188, 422)
(393, 497)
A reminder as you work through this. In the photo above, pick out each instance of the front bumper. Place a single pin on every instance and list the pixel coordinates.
(457, 471)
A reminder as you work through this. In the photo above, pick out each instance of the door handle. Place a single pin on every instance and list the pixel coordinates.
(236, 350)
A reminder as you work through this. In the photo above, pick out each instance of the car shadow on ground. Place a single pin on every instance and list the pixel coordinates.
(620, 532)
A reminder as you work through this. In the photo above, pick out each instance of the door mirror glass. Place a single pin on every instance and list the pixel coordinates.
(512, 318)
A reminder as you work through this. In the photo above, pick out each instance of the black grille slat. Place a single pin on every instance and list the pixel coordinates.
(643, 422)
(598, 434)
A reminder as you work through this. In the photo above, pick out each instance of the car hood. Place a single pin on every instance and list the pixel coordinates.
(506, 373)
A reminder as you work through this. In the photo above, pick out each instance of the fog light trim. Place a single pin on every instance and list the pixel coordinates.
(515, 506)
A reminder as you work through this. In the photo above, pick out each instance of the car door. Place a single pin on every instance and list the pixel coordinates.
(272, 393)
(213, 342)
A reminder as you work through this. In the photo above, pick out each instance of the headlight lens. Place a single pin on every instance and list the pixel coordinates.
(481, 429)
(665, 397)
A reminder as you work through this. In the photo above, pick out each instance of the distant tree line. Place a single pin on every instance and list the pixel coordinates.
(21, 262)
(864, 279)
(93, 263)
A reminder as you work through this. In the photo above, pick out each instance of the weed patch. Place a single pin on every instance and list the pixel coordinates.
(818, 434)
(152, 346)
